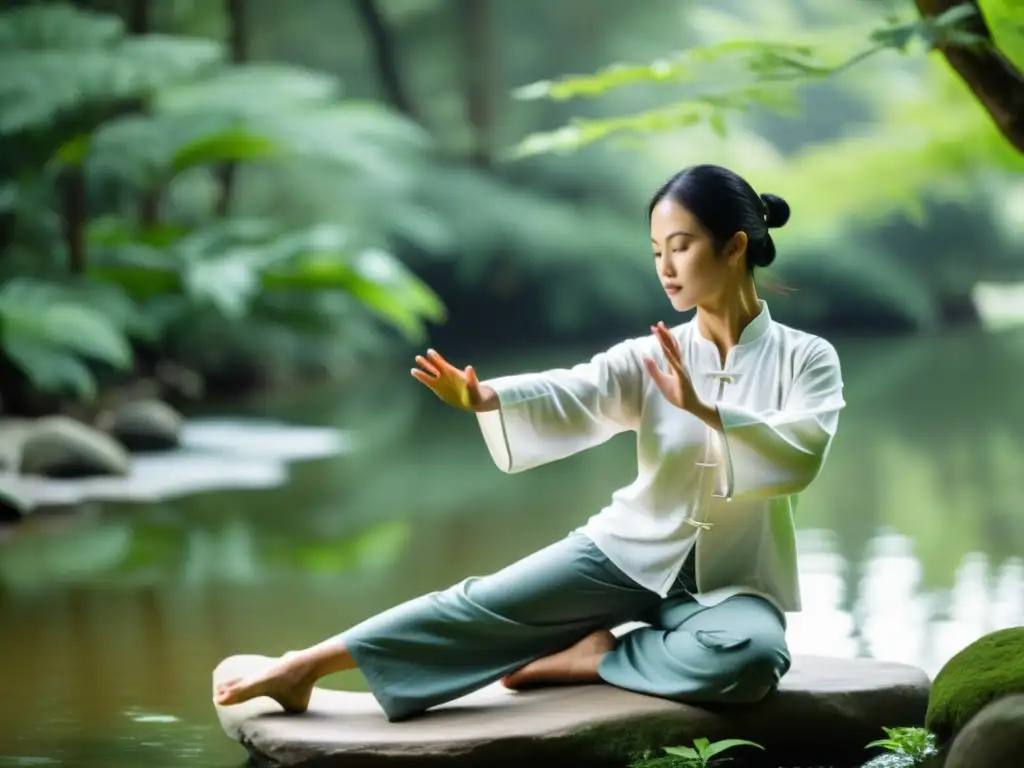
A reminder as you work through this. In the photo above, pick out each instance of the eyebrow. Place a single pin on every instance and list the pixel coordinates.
(674, 234)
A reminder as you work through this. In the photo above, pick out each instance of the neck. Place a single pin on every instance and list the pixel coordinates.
(723, 319)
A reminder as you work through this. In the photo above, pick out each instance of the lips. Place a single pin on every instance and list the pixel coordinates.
(672, 290)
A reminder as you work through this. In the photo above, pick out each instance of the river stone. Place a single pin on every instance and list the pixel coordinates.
(825, 707)
(143, 425)
(57, 446)
(12, 435)
(994, 738)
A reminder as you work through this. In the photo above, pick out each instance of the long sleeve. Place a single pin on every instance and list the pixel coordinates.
(779, 453)
(548, 416)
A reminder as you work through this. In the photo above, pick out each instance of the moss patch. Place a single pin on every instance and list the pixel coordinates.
(988, 669)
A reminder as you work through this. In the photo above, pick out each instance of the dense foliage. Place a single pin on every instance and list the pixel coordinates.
(117, 234)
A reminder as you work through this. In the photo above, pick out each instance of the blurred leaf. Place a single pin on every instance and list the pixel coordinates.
(49, 368)
(110, 231)
(376, 279)
(1006, 21)
(43, 311)
(235, 144)
(45, 330)
(257, 88)
(705, 108)
(765, 59)
(230, 282)
(57, 25)
(765, 73)
(40, 84)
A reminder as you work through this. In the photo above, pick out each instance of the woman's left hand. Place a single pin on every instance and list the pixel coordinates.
(675, 383)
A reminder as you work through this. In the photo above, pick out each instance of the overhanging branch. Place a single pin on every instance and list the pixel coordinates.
(990, 75)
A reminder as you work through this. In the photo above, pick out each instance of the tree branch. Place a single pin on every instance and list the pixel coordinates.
(993, 79)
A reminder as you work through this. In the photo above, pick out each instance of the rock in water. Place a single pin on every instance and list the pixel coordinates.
(988, 669)
(824, 707)
(994, 738)
(13, 506)
(57, 446)
(143, 425)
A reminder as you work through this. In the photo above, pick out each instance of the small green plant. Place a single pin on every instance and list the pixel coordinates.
(697, 756)
(915, 743)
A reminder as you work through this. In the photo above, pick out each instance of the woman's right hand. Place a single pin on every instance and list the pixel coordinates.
(459, 388)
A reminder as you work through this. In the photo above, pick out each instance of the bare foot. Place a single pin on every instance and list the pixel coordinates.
(288, 680)
(577, 664)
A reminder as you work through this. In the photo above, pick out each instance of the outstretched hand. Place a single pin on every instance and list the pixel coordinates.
(459, 388)
(674, 383)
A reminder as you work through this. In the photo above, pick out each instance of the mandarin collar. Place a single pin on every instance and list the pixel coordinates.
(755, 329)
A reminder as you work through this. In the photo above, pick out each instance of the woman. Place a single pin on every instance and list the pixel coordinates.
(734, 415)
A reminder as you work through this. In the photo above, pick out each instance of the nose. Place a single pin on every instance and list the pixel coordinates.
(665, 268)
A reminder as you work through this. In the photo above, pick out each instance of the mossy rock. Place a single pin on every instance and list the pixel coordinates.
(60, 447)
(143, 426)
(988, 669)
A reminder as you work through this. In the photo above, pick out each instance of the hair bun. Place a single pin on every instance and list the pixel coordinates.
(777, 211)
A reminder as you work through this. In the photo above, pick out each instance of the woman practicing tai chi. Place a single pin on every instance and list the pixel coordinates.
(734, 415)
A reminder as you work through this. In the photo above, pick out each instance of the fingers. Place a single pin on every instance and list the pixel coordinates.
(423, 377)
(427, 366)
(655, 372)
(439, 362)
(471, 380)
(668, 345)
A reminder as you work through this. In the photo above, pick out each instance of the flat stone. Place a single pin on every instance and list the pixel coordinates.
(825, 707)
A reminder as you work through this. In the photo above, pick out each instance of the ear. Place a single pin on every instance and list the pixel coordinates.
(736, 247)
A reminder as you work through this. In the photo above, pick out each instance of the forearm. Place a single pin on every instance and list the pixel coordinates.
(488, 400)
(707, 413)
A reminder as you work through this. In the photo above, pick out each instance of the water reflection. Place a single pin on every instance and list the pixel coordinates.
(112, 618)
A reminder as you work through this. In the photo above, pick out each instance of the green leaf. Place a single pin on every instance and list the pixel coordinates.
(48, 368)
(139, 282)
(232, 144)
(75, 151)
(717, 122)
(1007, 25)
(57, 25)
(230, 282)
(883, 744)
(701, 746)
(109, 231)
(256, 88)
(765, 59)
(956, 15)
(377, 281)
(721, 746)
(688, 753)
(46, 314)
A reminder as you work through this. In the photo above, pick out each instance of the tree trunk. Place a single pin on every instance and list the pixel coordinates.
(385, 58)
(140, 23)
(993, 79)
(238, 45)
(478, 66)
(74, 218)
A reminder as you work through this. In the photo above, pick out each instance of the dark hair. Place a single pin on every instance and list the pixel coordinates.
(725, 204)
